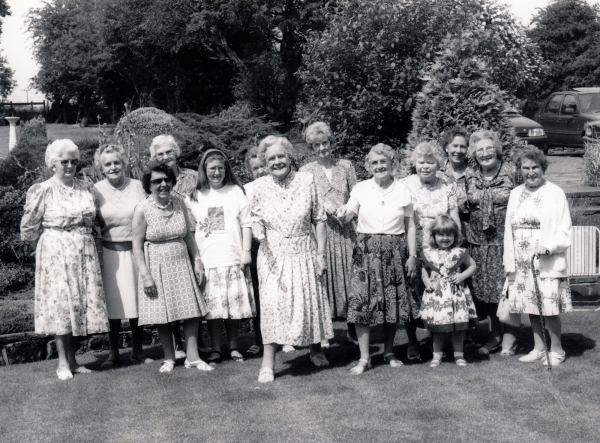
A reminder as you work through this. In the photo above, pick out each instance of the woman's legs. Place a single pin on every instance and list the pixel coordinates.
(553, 326)
(62, 347)
(137, 338)
(232, 327)
(389, 334)
(190, 329)
(536, 327)
(215, 330)
(165, 335)
(268, 361)
(113, 341)
(176, 332)
(508, 338)
(413, 342)
(363, 336)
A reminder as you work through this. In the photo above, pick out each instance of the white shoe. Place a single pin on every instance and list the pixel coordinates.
(201, 365)
(325, 344)
(533, 356)
(555, 358)
(266, 375)
(179, 354)
(288, 348)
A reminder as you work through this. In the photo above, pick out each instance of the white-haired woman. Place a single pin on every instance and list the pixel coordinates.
(117, 197)
(334, 178)
(431, 197)
(164, 149)
(286, 205)
(59, 217)
(488, 186)
(385, 255)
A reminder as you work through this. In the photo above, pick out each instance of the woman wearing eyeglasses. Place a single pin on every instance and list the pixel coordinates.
(169, 283)
(488, 187)
(59, 217)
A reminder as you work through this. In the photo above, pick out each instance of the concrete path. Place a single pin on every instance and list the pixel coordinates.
(565, 171)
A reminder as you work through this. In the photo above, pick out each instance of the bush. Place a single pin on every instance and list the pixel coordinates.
(591, 164)
(15, 277)
(16, 316)
(34, 128)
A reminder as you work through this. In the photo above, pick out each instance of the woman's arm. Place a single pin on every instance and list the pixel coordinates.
(321, 231)
(411, 240)
(139, 226)
(190, 241)
(425, 279)
(246, 245)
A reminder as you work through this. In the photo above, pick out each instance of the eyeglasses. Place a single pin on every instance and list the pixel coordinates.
(158, 181)
(485, 151)
(73, 162)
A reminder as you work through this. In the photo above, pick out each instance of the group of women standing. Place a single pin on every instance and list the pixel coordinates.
(426, 250)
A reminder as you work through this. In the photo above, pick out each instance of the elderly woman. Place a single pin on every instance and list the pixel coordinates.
(291, 262)
(162, 246)
(58, 222)
(384, 257)
(117, 197)
(334, 178)
(488, 186)
(455, 143)
(432, 196)
(538, 224)
(164, 149)
(255, 168)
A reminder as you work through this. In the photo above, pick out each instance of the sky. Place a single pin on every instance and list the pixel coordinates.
(16, 44)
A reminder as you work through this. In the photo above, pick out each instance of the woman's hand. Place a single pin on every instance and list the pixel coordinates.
(330, 208)
(199, 271)
(411, 267)
(321, 265)
(149, 286)
(258, 231)
(246, 258)
(540, 250)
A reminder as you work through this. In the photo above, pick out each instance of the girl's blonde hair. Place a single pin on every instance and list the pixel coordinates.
(444, 225)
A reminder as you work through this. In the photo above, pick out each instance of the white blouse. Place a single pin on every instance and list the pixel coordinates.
(380, 211)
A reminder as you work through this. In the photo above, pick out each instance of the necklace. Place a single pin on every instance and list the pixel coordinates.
(118, 188)
(160, 206)
(65, 186)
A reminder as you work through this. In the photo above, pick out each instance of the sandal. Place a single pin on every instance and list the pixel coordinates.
(81, 370)
(412, 352)
(460, 361)
(362, 366)
(167, 366)
(319, 360)
(266, 375)
(435, 362)
(214, 357)
(288, 348)
(65, 374)
(254, 350)
(510, 351)
(201, 365)
(179, 353)
(237, 356)
(391, 360)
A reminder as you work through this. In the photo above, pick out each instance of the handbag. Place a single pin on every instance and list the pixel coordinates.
(503, 313)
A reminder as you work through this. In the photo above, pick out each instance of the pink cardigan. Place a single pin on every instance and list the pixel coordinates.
(555, 235)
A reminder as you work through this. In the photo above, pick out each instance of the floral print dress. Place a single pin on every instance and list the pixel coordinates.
(293, 300)
(448, 307)
(488, 200)
(69, 297)
(340, 238)
(555, 292)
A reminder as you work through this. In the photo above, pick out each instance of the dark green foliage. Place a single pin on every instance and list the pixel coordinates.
(17, 316)
(15, 277)
(460, 92)
(34, 128)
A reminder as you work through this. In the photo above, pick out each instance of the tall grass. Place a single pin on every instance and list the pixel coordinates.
(591, 164)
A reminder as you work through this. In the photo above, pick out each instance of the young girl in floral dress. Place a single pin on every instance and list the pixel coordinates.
(447, 303)
(223, 235)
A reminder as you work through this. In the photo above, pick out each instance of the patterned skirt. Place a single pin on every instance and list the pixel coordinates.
(69, 297)
(179, 296)
(228, 293)
(340, 245)
(380, 293)
(488, 281)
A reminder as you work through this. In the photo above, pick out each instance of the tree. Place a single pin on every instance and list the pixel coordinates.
(363, 72)
(567, 33)
(7, 83)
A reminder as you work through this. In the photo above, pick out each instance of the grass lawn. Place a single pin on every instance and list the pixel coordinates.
(55, 132)
(496, 400)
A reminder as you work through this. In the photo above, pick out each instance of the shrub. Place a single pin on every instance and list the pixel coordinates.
(34, 128)
(15, 277)
(16, 316)
(591, 164)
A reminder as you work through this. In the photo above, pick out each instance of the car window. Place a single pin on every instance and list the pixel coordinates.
(568, 102)
(589, 102)
(553, 105)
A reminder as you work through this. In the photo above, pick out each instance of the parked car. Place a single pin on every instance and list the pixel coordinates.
(564, 115)
(530, 132)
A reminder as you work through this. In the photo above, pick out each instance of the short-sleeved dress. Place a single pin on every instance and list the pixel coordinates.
(69, 297)
(220, 216)
(168, 261)
(119, 273)
(340, 238)
(488, 200)
(293, 300)
(449, 307)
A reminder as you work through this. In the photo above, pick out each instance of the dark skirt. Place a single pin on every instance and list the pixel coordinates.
(379, 290)
(488, 281)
